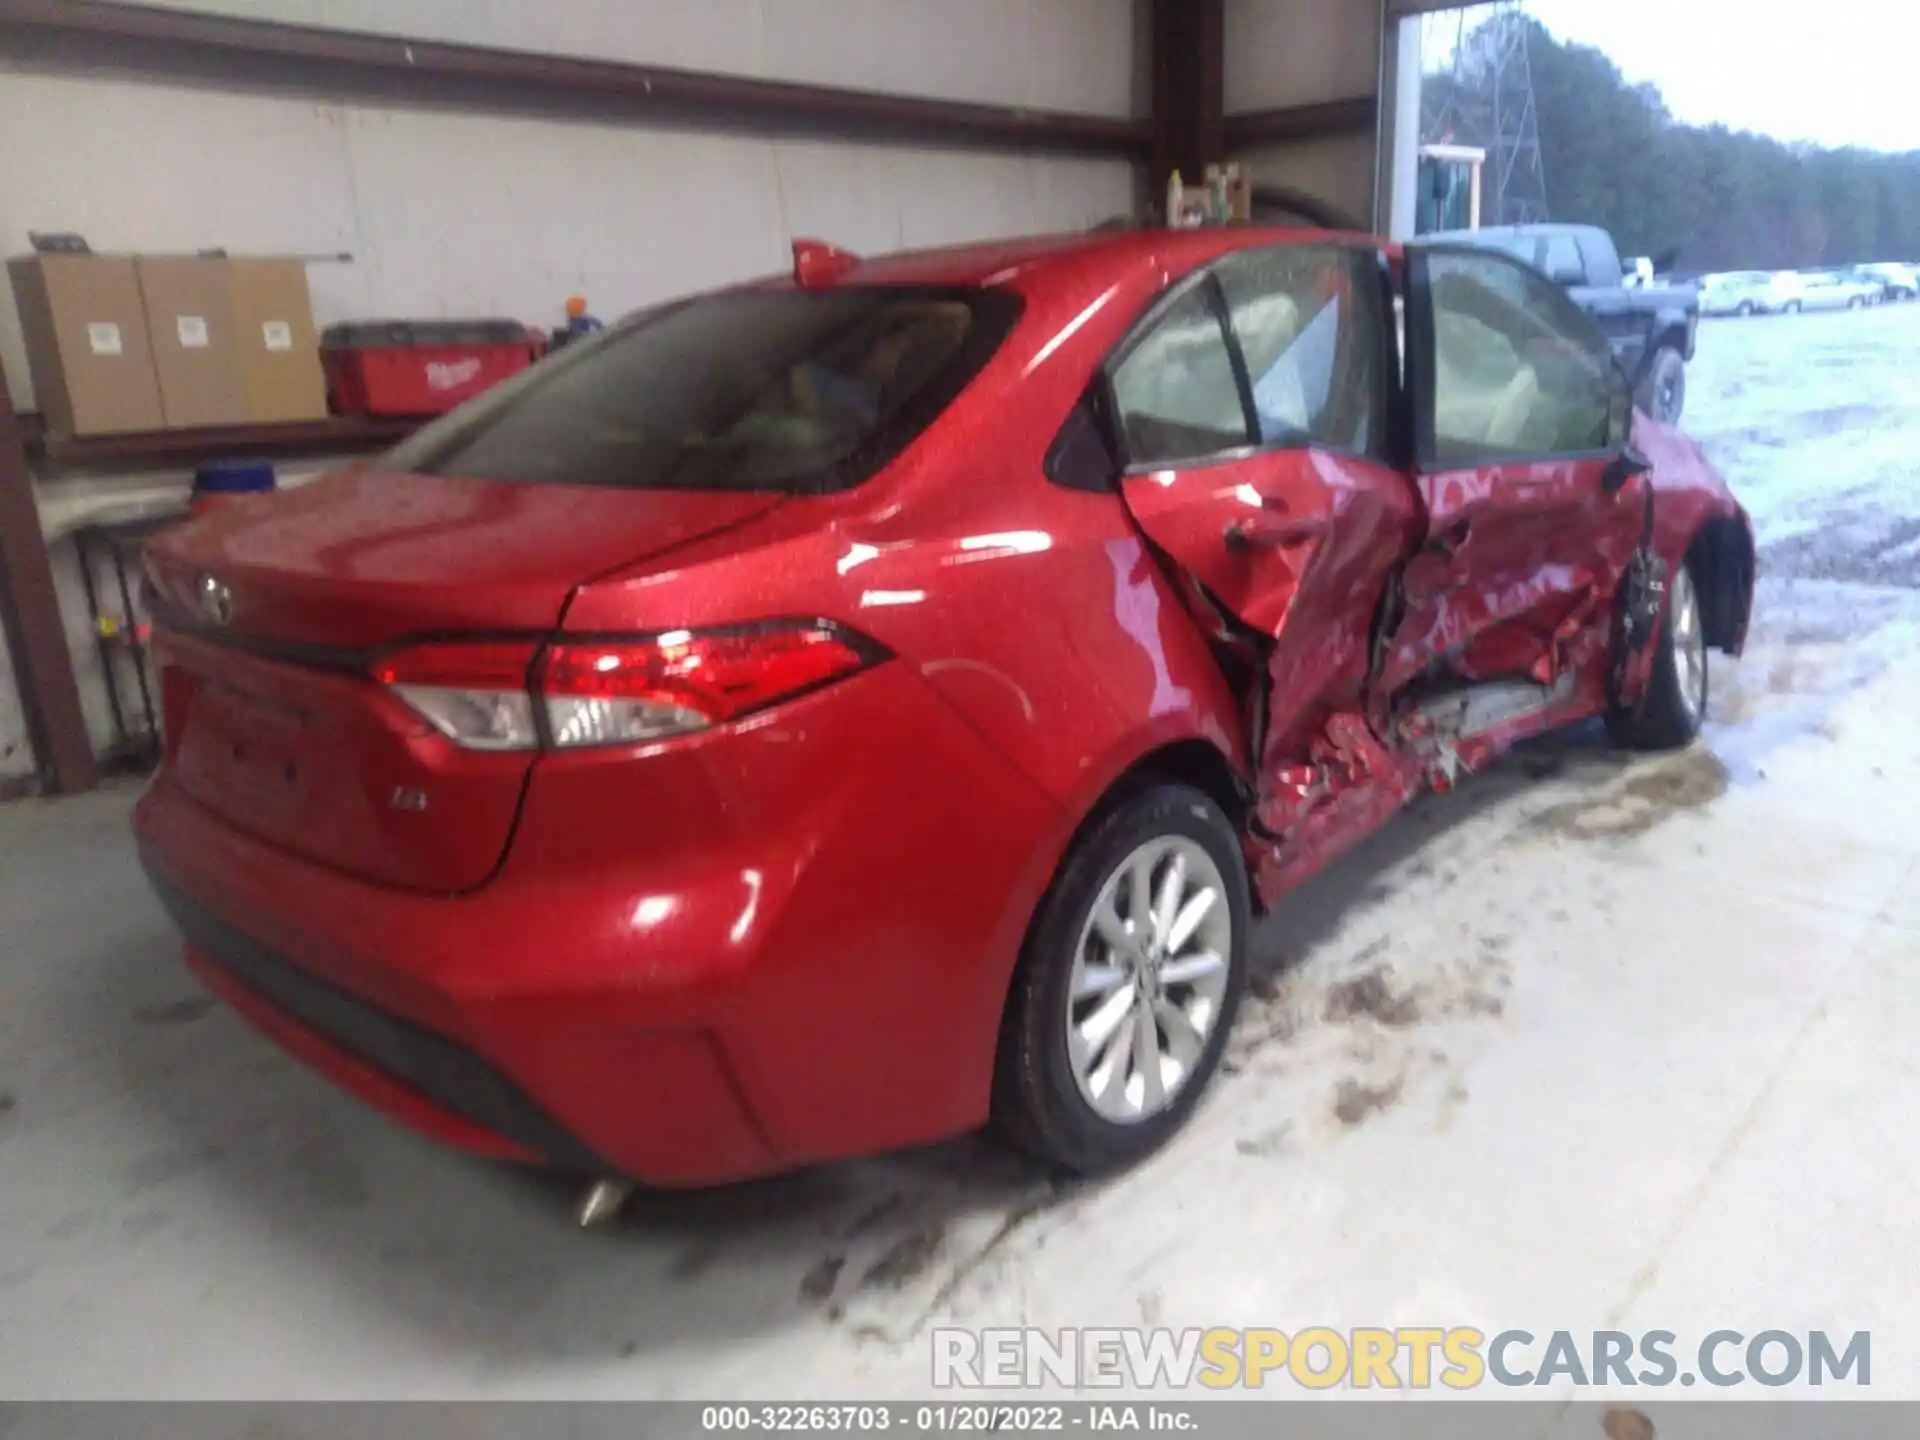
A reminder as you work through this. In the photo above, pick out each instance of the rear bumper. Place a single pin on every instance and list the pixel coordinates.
(573, 1082)
(436, 1085)
(717, 960)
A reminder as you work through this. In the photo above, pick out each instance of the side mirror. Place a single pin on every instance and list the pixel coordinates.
(1622, 468)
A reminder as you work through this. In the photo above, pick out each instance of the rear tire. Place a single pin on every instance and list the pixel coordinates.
(1069, 1089)
(1675, 703)
(1663, 389)
(1793, 307)
(1745, 309)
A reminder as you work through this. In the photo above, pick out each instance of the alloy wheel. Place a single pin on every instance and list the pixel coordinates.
(1149, 977)
(1689, 644)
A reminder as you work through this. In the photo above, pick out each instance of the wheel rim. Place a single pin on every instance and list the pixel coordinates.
(1149, 976)
(1689, 644)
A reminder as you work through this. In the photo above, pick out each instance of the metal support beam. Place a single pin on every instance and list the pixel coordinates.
(1354, 116)
(1397, 201)
(1189, 89)
(30, 613)
(92, 34)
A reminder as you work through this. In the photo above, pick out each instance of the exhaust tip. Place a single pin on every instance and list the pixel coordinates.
(603, 1201)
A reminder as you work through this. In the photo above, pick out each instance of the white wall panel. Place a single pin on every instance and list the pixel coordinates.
(460, 214)
(718, 35)
(142, 167)
(450, 213)
(1282, 53)
(1337, 169)
(974, 49)
(1087, 56)
(510, 216)
(1299, 52)
(1074, 55)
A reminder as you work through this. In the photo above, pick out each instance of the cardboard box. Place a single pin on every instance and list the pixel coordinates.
(190, 326)
(276, 344)
(86, 342)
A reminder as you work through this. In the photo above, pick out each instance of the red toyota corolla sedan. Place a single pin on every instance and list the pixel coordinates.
(835, 713)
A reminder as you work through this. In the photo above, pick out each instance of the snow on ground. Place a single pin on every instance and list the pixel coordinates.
(1815, 419)
(1594, 1042)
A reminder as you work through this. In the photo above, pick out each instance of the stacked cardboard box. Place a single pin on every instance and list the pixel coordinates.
(277, 345)
(121, 344)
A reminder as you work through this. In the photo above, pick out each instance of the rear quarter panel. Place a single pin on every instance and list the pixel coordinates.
(1036, 611)
(1033, 613)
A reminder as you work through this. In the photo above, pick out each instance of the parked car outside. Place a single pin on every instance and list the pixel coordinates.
(1744, 292)
(1786, 293)
(1836, 290)
(840, 712)
(1896, 282)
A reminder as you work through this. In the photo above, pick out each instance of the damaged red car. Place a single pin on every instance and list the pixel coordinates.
(839, 712)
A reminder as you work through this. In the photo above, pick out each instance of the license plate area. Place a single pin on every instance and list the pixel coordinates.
(251, 749)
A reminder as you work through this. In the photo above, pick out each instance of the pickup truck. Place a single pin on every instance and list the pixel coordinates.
(1650, 327)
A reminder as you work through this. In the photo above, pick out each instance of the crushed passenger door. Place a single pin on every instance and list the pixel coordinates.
(1521, 417)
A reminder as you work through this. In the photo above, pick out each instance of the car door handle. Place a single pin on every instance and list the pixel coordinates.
(1274, 533)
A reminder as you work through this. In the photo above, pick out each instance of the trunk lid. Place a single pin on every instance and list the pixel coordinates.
(361, 559)
(269, 610)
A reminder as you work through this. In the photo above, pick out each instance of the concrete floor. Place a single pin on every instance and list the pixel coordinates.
(1639, 1055)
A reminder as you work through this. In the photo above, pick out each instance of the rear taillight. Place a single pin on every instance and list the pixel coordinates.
(512, 695)
(475, 692)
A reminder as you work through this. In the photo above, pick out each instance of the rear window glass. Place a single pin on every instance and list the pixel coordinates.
(789, 390)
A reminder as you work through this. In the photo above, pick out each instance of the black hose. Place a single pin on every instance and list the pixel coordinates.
(1297, 204)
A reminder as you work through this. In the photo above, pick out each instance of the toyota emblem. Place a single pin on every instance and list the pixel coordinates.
(216, 600)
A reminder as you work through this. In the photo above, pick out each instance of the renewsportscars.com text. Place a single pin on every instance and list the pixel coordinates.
(1409, 1358)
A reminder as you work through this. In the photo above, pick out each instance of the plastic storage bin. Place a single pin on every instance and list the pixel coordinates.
(420, 367)
(220, 480)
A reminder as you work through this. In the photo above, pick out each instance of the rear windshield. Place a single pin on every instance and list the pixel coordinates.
(787, 390)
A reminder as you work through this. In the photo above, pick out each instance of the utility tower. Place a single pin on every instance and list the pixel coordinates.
(1489, 103)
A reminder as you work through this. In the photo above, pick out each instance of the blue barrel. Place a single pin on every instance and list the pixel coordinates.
(219, 480)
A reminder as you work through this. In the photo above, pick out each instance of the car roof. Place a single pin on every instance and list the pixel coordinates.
(1099, 257)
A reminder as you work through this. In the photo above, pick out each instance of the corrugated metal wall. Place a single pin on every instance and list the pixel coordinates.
(1286, 53)
(459, 211)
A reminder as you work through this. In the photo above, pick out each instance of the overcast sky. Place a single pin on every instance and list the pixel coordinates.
(1837, 72)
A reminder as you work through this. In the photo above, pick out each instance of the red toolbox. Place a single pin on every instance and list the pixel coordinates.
(420, 367)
